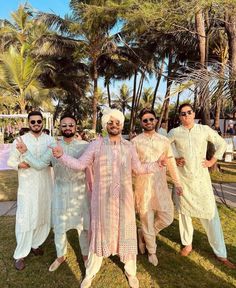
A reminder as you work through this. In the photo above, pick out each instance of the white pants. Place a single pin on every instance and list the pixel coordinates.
(152, 223)
(61, 243)
(213, 230)
(94, 264)
(30, 239)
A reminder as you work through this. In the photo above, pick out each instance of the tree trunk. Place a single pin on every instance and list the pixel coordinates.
(108, 93)
(133, 101)
(95, 97)
(158, 82)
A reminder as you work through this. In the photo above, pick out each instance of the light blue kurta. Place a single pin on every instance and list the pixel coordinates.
(198, 198)
(70, 208)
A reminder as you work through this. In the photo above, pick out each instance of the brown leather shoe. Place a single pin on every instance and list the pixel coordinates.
(186, 250)
(37, 251)
(226, 262)
(20, 264)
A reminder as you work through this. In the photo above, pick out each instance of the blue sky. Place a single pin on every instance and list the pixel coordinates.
(59, 7)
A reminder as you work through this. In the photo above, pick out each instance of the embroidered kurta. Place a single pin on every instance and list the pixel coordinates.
(198, 199)
(151, 190)
(113, 225)
(34, 187)
(70, 207)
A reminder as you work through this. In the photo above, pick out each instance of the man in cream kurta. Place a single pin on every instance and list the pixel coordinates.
(153, 198)
(113, 225)
(70, 207)
(34, 192)
(190, 143)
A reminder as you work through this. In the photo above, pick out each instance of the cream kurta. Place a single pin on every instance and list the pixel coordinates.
(35, 186)
(198, 199)
(151, 190)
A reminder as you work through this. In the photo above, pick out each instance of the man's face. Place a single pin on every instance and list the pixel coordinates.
(35, 124)
(68, 127)
(187, 116)
(114, 127)
(148, 122)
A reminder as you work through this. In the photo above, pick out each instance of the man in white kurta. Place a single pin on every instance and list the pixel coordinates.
(153, 198)
(70, 207)
(34, 192)
(190, 144)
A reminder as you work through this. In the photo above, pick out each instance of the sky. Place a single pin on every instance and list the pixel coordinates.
(59, 7)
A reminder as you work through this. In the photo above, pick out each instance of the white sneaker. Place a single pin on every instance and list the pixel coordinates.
(152, 258)
(133, 281)
(141, 243)
(56, 264)
(86, 283)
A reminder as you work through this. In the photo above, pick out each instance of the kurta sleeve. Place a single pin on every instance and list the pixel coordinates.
(15, 157)
(171, 137)
(84, 161)
(142, 168)
(218, 141)
(172, 167)
(36, 163)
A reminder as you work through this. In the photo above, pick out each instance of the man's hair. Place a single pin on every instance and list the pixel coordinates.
(185, 105)
(146, 111)
(67, 115)
(35, 113)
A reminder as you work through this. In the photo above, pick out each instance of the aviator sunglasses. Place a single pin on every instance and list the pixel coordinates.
(148, 119)
(34, 121)
(189, 112)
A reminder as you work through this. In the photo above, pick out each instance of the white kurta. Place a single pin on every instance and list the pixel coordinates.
(35, 186)
(198, 198)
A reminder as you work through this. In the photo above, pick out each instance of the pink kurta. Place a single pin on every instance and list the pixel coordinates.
(113, 225)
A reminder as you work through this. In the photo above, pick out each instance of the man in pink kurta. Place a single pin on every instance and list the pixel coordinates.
(113, 225)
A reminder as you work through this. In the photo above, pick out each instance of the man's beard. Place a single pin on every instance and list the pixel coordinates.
(151, 128)
(36, 131)
(67, 135)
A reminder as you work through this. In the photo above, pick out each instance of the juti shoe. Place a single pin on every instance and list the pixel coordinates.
(226, 262)
(133, 281)
(19, 264)
(56, 264)
(86, 283)
(141, 242)
(186, 250)
(152, 258)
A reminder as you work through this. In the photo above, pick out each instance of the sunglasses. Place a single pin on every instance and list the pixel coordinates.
(148, 120)
(110, 123)
(34, 121)
(189, 112)
(71, 125)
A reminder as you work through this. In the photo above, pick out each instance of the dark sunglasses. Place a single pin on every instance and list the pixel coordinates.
(71, 125)
(148, 119)
(189, 112)
(34, 121)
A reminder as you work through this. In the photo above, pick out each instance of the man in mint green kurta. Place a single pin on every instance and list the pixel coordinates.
(70, 208)
(190, 143)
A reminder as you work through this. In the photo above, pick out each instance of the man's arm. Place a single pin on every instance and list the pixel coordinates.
(14, 160)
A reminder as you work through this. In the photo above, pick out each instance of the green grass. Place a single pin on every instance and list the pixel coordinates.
(8, 185)
(200, 269)
(227, 173)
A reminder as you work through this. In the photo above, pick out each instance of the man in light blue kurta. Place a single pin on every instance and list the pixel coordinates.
(70, 209)
(190, 143)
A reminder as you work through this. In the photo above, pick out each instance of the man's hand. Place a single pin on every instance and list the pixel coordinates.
(180, 161)
(57, 151)
(20, 145)
(23, 165)
(179, 191)
(162, 160)
(209, 163)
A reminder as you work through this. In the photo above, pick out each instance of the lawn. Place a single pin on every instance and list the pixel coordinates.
(200, 269)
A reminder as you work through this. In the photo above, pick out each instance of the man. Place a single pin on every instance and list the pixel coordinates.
(190, 142)
(153, 198)
(113, 226)
(70, 209)
(34, 192)
(163, 129)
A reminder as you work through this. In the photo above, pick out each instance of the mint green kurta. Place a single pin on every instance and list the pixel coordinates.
(198, 198)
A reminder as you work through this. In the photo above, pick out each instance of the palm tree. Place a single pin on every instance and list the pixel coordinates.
(124, 98)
